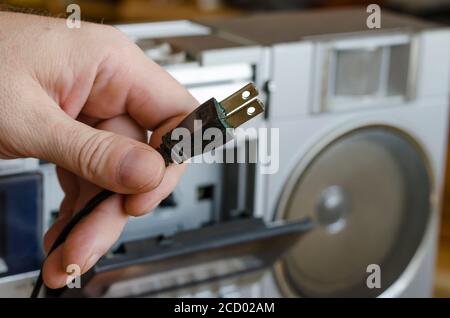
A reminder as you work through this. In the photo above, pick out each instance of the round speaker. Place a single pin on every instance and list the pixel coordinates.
(369, 193)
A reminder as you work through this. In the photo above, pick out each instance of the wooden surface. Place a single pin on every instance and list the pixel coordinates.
(442, 277)
(124, 11)
(144, 10)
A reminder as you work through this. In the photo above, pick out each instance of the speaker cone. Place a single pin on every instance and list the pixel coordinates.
(369, 192)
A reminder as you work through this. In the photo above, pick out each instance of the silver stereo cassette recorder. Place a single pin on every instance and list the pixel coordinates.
(353, 179)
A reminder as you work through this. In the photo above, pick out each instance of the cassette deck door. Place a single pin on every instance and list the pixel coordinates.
(231, 249)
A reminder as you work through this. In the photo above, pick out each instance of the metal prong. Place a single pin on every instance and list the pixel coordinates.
(239, 98)
(245, 113)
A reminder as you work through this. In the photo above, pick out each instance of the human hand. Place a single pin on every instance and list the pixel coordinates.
(84, 100)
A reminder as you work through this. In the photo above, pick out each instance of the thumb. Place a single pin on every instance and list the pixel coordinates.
(106, 159)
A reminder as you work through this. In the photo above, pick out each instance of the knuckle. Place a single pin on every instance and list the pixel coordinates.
(115, 32)
(117, 41)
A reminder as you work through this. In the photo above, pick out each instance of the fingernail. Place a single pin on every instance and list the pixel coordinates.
(141, 168)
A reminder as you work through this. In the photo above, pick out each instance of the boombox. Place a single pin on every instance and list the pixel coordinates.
(350, 186)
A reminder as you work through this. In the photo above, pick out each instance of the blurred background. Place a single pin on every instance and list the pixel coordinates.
(113, 11)
(125, 11)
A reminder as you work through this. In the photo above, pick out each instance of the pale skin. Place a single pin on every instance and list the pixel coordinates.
(84, 100)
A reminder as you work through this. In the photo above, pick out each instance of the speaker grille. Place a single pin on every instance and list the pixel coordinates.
(369, 192)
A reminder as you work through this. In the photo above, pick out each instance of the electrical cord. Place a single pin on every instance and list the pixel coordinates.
(94, 202)
(231, 112)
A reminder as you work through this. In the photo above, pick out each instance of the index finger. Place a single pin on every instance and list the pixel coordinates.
(155, 96)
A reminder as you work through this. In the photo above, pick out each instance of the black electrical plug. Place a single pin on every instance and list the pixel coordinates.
(230, 113)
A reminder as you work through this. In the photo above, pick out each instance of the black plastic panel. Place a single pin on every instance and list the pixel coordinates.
(258, 246)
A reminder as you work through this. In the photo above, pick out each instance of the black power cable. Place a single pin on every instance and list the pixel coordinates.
(231, 112)
(95, 201)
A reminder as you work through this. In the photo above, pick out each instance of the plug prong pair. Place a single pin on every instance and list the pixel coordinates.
(242, 105)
